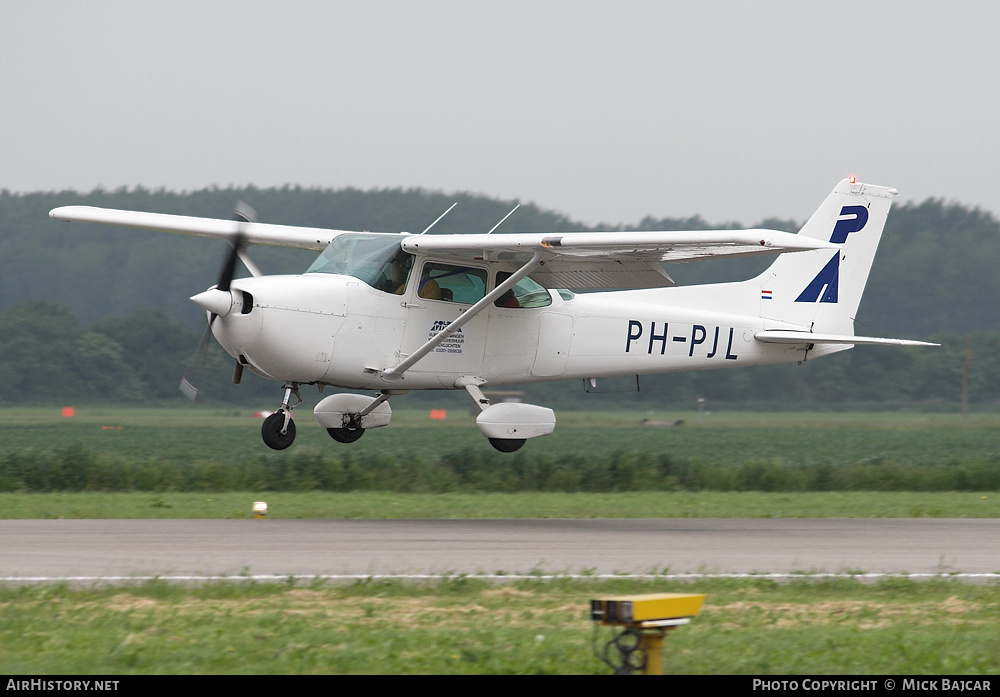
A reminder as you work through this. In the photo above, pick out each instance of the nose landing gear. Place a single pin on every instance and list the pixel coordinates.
(278, 430)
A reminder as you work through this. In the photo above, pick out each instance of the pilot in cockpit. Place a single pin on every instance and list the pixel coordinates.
(392, 278)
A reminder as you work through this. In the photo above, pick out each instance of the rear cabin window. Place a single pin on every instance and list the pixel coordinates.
(525, 293)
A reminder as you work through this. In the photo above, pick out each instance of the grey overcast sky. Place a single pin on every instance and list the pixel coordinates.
(605, 111)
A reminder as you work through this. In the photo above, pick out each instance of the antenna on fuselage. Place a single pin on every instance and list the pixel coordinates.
(439, 217)
(504, 218)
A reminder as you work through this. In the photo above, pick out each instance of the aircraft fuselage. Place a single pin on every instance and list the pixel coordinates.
(338, 330)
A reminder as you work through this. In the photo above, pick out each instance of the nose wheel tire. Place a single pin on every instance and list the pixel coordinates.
(345, 435)
(270, 431)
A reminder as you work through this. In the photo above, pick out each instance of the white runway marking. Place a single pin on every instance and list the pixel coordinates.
(270, 578)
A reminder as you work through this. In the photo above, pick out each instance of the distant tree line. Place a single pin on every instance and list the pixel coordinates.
(48, 356)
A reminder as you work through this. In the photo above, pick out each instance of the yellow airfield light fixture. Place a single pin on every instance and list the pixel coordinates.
(645, 621)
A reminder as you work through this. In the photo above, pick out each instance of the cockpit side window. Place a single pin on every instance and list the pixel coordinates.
(459, 284)
(525, 293)
(378, 260)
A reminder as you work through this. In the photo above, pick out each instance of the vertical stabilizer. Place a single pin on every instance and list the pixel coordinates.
(821, 290)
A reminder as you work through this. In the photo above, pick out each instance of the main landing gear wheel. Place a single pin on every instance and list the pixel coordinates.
(270, 431)
(345, 435)
(507, 445)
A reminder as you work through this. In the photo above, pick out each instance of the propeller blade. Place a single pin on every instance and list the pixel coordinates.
(189, 390)
(229, 266)
(193, 373)
(242, 214)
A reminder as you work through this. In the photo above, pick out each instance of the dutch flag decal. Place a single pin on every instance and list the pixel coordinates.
(765, 295)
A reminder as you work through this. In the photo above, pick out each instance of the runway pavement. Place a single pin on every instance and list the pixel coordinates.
(116, 549)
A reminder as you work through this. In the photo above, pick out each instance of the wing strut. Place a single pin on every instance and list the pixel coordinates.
(396, 372)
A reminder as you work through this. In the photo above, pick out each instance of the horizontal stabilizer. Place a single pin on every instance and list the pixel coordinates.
(773, 336)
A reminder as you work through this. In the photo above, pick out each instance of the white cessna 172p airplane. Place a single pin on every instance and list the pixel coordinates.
(389, 312)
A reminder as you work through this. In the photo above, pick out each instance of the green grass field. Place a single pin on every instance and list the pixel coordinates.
(453, 505)
(467, 626)
(211, 450)
(188, 463)
(231, 435)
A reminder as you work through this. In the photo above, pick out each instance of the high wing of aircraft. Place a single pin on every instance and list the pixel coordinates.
(386, 313)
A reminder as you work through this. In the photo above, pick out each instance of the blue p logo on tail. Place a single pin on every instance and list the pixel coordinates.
(844, 227)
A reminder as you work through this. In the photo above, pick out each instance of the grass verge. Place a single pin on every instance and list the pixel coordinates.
(387, 505)
(462, 625)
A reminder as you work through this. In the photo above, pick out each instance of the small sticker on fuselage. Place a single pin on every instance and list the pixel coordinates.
(453, 344)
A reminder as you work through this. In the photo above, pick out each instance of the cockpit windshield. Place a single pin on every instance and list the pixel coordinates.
(378, 260)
